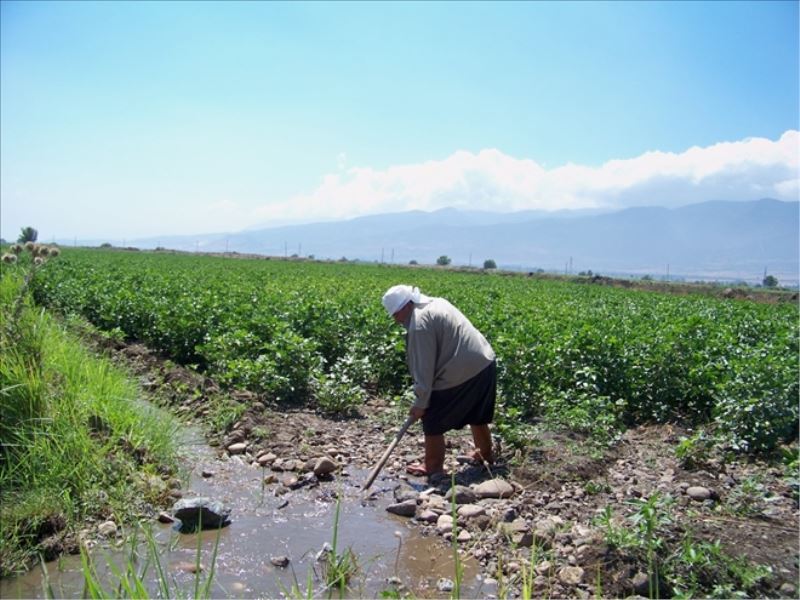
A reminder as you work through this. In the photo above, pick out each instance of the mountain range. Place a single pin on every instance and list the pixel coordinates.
(711, 240)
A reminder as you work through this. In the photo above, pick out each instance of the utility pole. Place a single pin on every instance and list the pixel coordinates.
(381, 255)
(392, 259)
(570, 265)
(470, 259)
(299, 249)
(667, 271)
(226, 245)
(285, 249)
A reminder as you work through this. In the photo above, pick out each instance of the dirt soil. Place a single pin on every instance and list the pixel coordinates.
(567, 494)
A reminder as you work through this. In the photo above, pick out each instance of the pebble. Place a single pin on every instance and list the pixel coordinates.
(266, 459)
(324, 466)
(188, 567)
(237, 448)
(107, 528)
(427, 516)
(164, 517)
(469, 511)
(460, 495)
(570, 575)
(280, 561)
(444, 524)
(403, 509)
(698, 493)
(445, 585)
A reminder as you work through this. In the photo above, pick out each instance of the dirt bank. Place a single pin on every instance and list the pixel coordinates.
(579, 520)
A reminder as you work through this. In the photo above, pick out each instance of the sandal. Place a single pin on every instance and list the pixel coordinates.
(416, 469)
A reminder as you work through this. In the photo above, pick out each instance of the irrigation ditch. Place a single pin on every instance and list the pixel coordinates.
(560, 517)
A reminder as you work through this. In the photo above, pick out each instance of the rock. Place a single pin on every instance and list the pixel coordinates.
(427, 516)
(544, 567)
(494, 488)
(481, 522)
(788, 590)
(570, 575)
(460, 494)
(699, 493)
(235, 437)
(324, 466)
(445, 585)
(402, 493)
(165, 518)
(266, 459)
(189, 567)
(403, 509)
(270, 479)
(280, 561)
(517, 532)
(289, 481)
(444, 524)
(463, 536)
(237, 448)
(201, 512)
(509, 514)
(468, 511)
(547, 527)
(107, 528)
(641, 584)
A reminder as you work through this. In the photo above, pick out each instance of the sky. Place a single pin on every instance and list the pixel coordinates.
(132, 119)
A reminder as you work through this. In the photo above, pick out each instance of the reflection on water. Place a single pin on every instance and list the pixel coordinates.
(385, 546)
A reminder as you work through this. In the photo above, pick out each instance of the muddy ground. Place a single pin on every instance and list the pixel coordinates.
(551, 528)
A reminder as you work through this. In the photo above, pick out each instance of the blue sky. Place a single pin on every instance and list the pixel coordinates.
(132, 119)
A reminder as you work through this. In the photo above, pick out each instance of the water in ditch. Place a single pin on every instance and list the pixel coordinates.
(388, 549)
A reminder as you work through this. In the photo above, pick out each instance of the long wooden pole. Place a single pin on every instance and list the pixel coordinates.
(388, 451)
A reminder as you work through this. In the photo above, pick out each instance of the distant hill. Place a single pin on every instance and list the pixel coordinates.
(710, 240)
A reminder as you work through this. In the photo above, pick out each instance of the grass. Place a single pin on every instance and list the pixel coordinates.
(74, 442)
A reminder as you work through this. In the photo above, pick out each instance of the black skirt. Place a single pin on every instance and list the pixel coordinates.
(470, 403)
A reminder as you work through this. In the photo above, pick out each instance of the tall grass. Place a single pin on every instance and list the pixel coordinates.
(74, 441)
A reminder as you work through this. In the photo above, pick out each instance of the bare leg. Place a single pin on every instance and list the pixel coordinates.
(482, 437)
(434, 454)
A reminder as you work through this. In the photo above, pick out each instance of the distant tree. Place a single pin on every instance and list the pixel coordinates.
(770, 281)
(105, 245)
(647, 278)
(443, 260)
(3, 241)
(413, 262)
(489, 264)
(27, 234)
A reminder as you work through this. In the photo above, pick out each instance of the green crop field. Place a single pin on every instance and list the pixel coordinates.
(588, 357)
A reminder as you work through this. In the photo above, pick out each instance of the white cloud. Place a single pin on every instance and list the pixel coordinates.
(490, 180)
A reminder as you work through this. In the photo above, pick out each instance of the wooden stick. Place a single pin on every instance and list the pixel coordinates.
(388, 451)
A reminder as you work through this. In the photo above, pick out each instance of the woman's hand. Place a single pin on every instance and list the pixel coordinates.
(416, 412)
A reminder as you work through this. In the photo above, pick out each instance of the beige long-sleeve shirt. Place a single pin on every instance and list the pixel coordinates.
(443, 349)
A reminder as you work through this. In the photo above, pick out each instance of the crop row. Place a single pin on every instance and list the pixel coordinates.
(591, 357)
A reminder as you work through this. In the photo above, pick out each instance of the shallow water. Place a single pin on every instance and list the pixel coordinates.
(385, 545)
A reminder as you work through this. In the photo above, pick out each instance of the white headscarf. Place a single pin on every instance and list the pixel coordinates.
(396, 297)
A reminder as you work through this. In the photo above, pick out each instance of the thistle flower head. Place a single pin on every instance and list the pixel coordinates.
(54, 252)
(29, 246)
(38, 260)
(16, 248)
(43, 251)
(9, 258)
